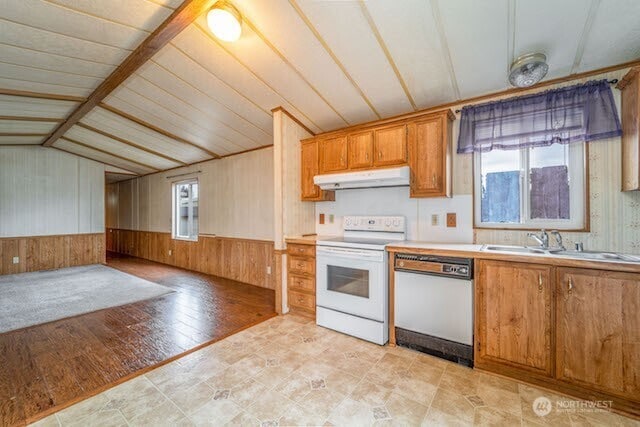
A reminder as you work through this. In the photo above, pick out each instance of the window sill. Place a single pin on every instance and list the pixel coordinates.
(184, 239)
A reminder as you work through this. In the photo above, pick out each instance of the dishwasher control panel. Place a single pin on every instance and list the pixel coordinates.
(461, 268)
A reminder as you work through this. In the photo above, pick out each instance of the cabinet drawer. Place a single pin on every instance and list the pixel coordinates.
(301, 250)
(305, 283)
(306, 301)
(302, 265)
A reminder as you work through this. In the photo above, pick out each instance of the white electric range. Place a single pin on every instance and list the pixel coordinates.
(352, 277)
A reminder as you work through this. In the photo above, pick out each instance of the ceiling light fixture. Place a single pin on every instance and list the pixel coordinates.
(225, 22)
(528, 70)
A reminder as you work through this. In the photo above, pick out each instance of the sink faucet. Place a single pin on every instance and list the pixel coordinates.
(558, 237)
(542, 239)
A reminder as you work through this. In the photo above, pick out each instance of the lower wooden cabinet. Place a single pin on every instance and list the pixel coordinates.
(513, 314)
(301, 279)
(575, 330)
(598, 330)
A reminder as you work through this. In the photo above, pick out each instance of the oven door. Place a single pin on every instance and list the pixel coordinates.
(352, 281)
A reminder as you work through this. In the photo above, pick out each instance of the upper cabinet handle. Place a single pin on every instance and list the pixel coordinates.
(540, 282)
(434, 180)
(379, 154)
(570, 285)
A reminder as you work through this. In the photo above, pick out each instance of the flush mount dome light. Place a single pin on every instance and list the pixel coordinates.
(528, 70)
(225, 21)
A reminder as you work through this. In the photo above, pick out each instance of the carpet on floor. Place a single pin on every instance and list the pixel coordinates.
(29, 299)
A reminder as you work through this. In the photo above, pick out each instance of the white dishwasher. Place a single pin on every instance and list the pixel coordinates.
(433, 305)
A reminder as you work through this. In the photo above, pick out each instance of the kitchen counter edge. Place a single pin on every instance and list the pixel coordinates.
(474, 251)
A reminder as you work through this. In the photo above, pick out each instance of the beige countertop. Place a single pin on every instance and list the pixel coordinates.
(302, 240)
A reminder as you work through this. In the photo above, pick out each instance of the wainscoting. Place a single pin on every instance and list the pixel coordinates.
(49, 252)
(243, 260)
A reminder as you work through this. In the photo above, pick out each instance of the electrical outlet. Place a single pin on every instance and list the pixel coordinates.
(321, 219)
(435, 219)
(16, 260)
(268, 269)
(170, 252)
(451, 220)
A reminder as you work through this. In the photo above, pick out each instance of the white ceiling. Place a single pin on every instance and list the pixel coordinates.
(329, 63)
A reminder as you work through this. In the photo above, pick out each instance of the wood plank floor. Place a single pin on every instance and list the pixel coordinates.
(47, 367)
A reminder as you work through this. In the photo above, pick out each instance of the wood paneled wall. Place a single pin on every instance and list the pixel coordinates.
(50, 252)
(243, 260)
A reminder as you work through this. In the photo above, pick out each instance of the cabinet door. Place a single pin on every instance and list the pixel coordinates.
(598, 330)
(513, 315)
(333, 154)
(428, 151)
(309, 169)
(390, 146)
(361, 150)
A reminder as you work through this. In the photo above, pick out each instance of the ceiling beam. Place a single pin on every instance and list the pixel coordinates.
(31, 119)
(132, 144)
(156, 129)
(181, 18)
(40, 95)
(99, 150)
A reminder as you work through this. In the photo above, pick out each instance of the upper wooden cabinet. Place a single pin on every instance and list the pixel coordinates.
(421, 141)
(598, 330)
(630, 86)
(390, 145)
(360, 150)
(309, 168)
(430, 156)
(333, 154)
(513, 315)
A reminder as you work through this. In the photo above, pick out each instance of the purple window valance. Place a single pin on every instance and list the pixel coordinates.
(580, 113)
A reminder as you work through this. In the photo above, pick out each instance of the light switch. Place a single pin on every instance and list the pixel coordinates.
(170, 252)
(330, 218)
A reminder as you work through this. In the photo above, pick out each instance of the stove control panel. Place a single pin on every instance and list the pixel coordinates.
(395, 224)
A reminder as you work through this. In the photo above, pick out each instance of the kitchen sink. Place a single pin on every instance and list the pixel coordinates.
(520, 249)
(593, 255)
(597, 255)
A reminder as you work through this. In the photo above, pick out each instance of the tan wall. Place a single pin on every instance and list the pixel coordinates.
(236, 198)
(46, 192)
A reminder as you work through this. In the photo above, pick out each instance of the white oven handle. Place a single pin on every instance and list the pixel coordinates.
(350, 253)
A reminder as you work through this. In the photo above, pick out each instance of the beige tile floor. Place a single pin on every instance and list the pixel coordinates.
(289, 372)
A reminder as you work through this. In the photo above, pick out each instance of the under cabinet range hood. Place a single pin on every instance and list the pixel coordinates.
(389, 177)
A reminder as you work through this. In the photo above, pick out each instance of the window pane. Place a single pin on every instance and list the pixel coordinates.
(182, 210)
(549, 182)
(500, 174)
(194, 203)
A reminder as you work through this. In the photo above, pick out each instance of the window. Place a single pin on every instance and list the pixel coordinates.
(185, 210)
(534, 187)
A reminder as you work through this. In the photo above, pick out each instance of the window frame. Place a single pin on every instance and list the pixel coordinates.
(524, 202)
(174, 208)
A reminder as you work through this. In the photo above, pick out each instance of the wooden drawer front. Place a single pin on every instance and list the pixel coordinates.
(302, 283)
(306, 301)
(302, 265)
(301, 250)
